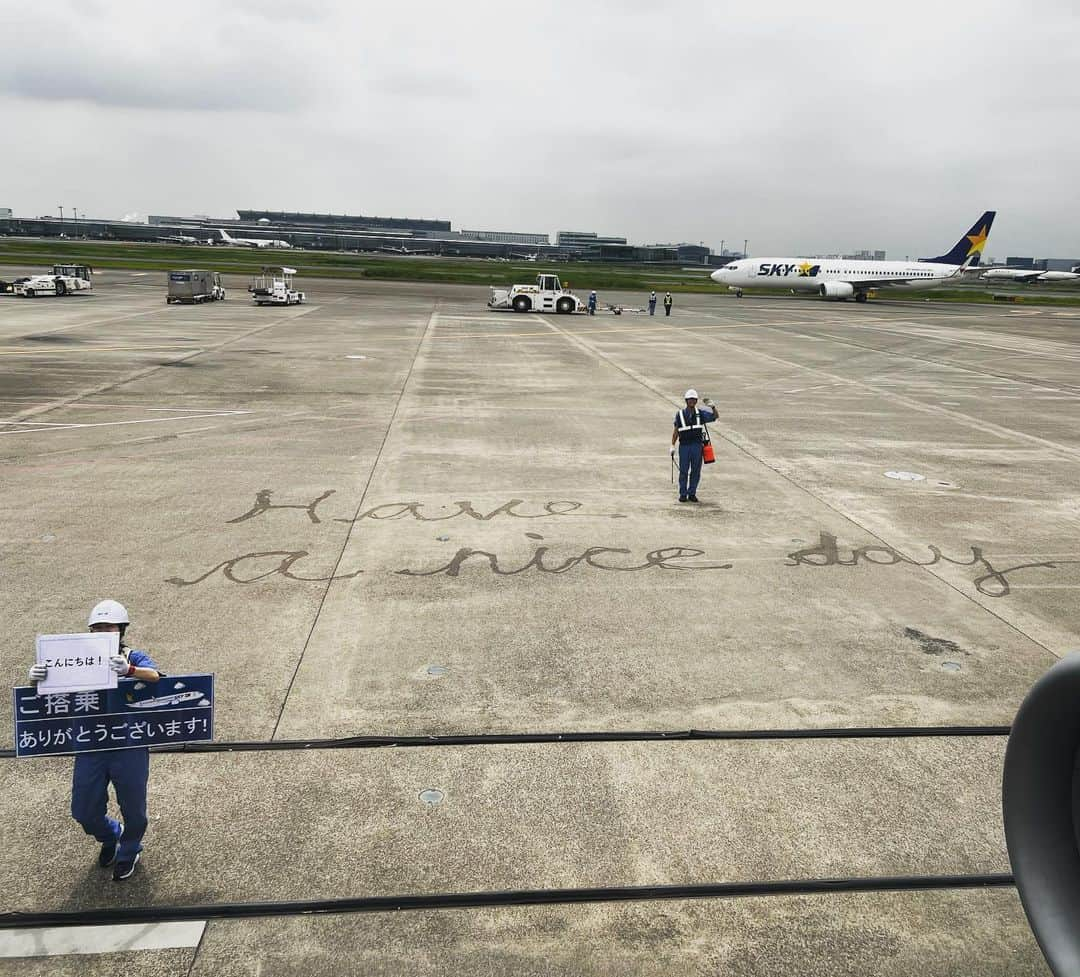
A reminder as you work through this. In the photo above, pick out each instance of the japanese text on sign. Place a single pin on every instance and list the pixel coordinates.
(178, 709)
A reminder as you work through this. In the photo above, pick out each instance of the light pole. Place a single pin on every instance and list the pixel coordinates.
(721, 245)
(61, 221)
(76, 212)
(744, 244)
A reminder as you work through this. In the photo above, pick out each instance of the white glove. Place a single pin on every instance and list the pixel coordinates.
(38, 672)
(707, 402)
(119, 664)
(673, 451)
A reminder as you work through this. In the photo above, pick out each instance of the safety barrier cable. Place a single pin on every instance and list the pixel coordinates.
(601, 736)
(517, 897)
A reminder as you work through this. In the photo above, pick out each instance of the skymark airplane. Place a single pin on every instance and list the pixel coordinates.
(252, 242)
(841, 279)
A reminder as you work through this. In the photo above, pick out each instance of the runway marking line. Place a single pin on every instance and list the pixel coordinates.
(48, 427)
(32, 351)
(585, 332)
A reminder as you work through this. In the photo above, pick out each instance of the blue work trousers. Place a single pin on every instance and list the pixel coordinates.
(128, 771)
(689, 468)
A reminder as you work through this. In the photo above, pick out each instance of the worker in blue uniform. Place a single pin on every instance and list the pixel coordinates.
(127, 770)
(689, 434)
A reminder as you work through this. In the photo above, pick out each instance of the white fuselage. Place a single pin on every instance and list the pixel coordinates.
(809, 274)
(1026, 275)
(252, 242)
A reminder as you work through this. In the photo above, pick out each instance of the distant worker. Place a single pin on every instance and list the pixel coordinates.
(689, 433)
(652, 303)
(592, 302)
(667, 303)
(128, 770)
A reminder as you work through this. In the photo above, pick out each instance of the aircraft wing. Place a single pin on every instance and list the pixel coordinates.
(883, 283)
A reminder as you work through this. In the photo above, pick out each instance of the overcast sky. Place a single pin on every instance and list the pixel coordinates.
(804, 127)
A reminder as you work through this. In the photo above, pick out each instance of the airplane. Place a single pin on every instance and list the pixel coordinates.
(1028, 276)
(179, 239)
(535, 256)
(165, 700)
(252, 242)
(405, 250)
(840, 279)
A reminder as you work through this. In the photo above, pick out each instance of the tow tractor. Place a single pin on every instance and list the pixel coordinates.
(274, 286)
(63, 280)
(547, 295)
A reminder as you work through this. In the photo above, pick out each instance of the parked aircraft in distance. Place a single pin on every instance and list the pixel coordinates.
(181, 239)
(535, 256)
(842, 279)
(251, 242)
(1029, 276)
(405, 250)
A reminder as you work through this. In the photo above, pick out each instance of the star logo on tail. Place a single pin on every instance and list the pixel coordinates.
(978, 241)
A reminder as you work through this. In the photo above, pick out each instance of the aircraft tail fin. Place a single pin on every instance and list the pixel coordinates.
(968, 250)
(224, 235)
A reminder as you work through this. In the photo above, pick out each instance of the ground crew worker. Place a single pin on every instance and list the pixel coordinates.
(667, 303)
(652, 303)
(592, 302)
(689, 433)
(127, 770)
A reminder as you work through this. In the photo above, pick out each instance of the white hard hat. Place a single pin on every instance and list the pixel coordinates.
(108, 612)
(690, 393)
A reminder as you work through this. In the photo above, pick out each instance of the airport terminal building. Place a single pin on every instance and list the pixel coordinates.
(359, 233)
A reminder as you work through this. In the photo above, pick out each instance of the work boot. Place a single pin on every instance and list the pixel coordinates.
(691, 498)
(125, 869)
(107, 855)
(682, 498)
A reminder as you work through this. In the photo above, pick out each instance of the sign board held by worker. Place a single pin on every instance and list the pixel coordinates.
(176, 709)
(77, 662)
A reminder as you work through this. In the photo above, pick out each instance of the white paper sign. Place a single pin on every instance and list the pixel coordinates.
(77, 662)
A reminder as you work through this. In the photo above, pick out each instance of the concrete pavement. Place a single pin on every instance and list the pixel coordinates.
(392, 512)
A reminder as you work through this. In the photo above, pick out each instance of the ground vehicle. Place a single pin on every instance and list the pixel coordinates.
(274, 286)
(192, 286)
(8, 287)
(62, 280)
(547, 295)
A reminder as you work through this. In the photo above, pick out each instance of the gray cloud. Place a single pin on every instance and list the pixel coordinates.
(798, 131)
(128, 82)
(419, 84)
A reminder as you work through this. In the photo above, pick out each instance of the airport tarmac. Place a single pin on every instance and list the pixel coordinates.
(391, 512)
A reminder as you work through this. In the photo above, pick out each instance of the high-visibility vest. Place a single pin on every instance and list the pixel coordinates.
(690, 427)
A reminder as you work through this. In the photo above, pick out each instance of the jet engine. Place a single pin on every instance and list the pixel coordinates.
(1041, 801)
(836, 290)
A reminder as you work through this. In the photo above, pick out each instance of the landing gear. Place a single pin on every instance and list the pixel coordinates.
(860, 296)
(738, 293)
